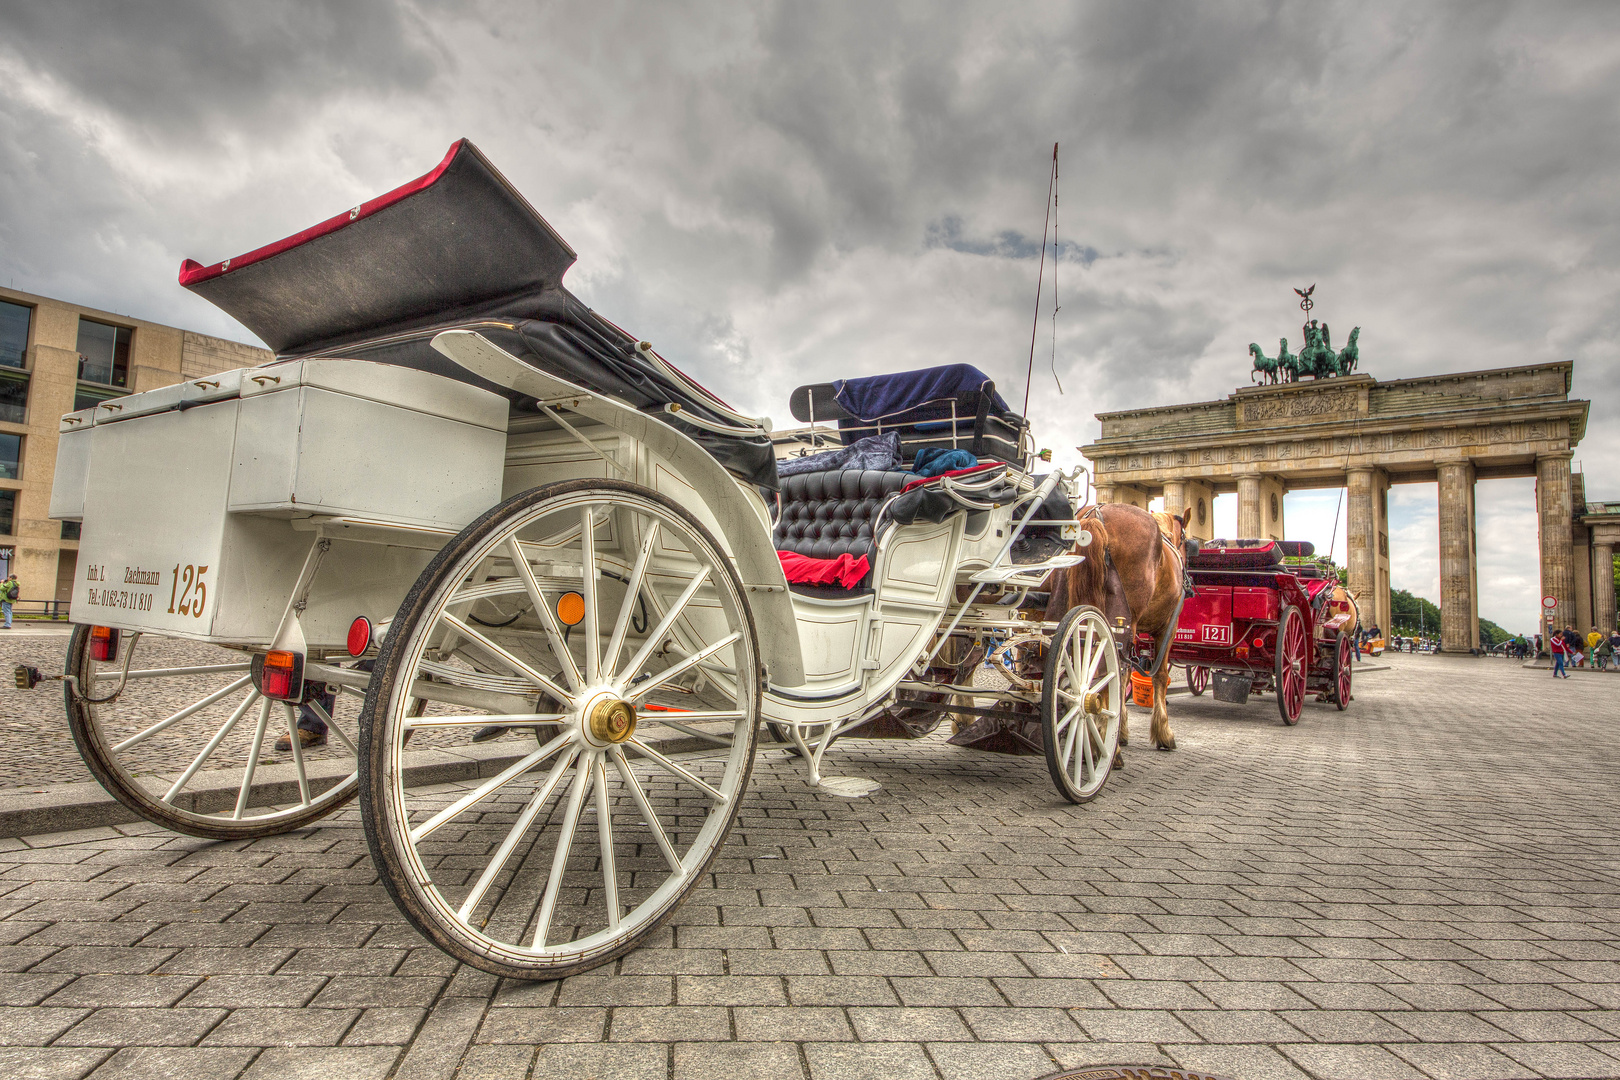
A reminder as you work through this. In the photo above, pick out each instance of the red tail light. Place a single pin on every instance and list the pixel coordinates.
(359, 635)
(103, 643)
(281, 675)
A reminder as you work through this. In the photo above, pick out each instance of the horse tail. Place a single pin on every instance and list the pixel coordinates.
(1087, 584)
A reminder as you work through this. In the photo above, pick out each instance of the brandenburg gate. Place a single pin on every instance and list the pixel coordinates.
(1356, 432)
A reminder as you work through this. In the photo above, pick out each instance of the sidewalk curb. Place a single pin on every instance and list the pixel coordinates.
(85, 805)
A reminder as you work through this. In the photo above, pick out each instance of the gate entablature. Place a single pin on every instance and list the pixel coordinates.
(1356, 432)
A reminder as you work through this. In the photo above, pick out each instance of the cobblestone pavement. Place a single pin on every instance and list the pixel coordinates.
(1422, 886)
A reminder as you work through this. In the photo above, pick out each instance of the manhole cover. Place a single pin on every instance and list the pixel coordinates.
(1128, 1072)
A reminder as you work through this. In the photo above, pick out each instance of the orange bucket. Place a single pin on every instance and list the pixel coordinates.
(1142, 689)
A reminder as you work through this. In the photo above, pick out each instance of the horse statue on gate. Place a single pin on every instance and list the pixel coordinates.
(1350, 355)
(1264, 366)
(1135, 570)
(1287, 363)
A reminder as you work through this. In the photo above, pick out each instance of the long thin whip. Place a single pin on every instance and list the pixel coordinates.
(1333, 539)
(1056, 263)
(1035, 328)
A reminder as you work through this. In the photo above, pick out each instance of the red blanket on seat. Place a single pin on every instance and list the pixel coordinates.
(846, 571)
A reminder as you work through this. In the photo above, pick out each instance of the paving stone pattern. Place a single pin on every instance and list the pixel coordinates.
(1422, 886)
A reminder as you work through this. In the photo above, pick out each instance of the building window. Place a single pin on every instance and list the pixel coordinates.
(103, 353)
(71, 529)
(8, 510)
(14, 397)
(87, 398)
(10, 457)
(14, 320)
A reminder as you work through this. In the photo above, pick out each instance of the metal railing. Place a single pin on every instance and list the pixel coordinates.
(40, 609)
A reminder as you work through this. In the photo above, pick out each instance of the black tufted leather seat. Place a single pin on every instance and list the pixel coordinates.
(828, 514)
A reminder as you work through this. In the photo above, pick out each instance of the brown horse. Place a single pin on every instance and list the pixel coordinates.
(1134, 570)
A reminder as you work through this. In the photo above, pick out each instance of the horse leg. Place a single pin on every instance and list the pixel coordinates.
(1160, 731)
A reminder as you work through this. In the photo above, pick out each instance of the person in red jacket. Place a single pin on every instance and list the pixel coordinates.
(1559, 648)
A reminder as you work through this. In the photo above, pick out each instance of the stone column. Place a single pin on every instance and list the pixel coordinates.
(1458, 630)
(1603, 584)
(1248, 518)
(1102, 493)
(1200, 496)
(1555, 516)
(1272, 492)
(1175, 496)
(1361, 541)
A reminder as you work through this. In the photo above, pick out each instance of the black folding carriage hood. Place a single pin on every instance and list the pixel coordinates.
(456, 248)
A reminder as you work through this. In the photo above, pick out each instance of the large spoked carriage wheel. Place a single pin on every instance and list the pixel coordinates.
(590, 611)
(1081, 701)
(1341, 671)
(185, 740)
(1197, 680)
(1293, 654)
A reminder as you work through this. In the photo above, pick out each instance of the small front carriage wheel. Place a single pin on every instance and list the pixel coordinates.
(1081, 701)
(188, 743)
(1197, 680)
(1341, 671)
(630, 618)
(1293, 654)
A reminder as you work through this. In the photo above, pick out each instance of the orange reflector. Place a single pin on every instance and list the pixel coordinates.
(281, 675)
(571, 608)
(103, 643)
(359, 635)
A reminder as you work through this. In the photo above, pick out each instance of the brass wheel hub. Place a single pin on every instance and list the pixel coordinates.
(1094, 703)
(612, 720)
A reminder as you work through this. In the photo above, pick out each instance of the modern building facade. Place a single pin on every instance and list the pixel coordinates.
(57, 357)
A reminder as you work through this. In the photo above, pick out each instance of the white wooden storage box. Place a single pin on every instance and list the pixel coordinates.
(199, 500)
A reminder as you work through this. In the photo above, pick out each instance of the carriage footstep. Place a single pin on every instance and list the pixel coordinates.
(848, 787)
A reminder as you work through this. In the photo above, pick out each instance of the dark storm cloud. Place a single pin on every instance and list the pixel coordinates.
(188, 69)
(1008, 243)
(788, 192)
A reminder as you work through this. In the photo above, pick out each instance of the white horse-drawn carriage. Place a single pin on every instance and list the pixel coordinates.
(460, 499)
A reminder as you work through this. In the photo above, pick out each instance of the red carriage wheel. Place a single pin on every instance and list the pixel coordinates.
(1341, 672)
(1197, 679)
(1292, 654)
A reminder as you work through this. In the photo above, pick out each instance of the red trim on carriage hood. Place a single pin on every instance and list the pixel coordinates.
(954, 472)
(192, 272)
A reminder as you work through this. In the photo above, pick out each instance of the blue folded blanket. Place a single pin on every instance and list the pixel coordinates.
(938, 459)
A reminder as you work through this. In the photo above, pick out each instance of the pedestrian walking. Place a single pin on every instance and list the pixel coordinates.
(1602, 650)
(1576, 645)
(1560, 649)
(9, 592)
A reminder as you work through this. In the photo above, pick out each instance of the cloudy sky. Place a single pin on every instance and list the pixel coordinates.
(783, 193)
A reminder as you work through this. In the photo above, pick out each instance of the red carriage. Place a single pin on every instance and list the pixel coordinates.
(1254, 622)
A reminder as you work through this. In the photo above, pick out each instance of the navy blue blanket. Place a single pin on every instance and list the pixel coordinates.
(872, 452)
(883, 395)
